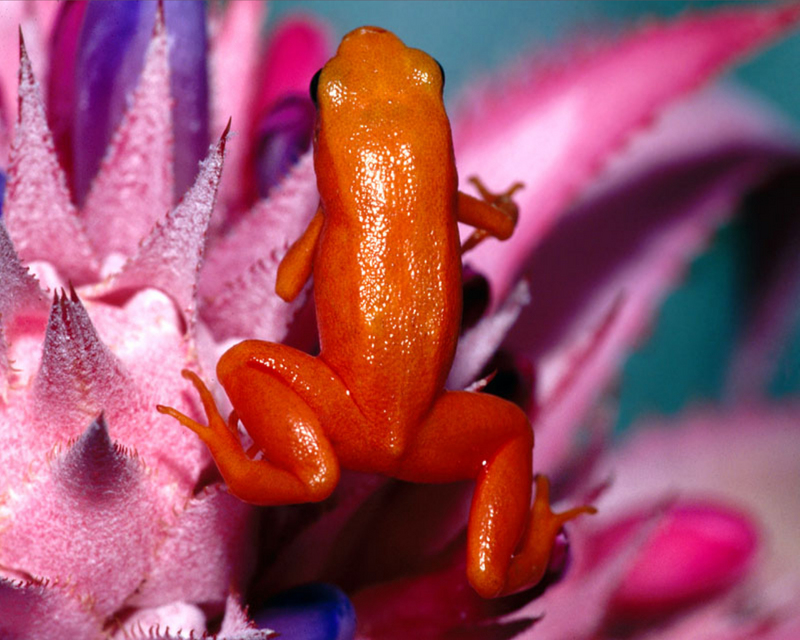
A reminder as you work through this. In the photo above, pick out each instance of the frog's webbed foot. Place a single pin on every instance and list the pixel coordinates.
(218, 433)
(530, 561)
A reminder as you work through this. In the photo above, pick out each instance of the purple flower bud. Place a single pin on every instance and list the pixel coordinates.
(309, 612)
(283, 136)
(109, 59)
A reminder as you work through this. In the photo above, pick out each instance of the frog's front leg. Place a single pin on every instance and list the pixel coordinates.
(478, 436)
(495, 215)
(299, 463)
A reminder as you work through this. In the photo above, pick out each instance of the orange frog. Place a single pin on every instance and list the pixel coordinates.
(384, 251)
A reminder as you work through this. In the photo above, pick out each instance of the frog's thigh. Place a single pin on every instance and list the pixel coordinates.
(472, 435)
(299, 463)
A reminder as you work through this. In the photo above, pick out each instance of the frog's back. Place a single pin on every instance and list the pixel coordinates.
(387, 269)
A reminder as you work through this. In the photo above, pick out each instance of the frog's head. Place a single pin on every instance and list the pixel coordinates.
(372, 67)
(379, 103)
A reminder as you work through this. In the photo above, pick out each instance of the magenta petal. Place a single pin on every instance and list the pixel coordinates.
(37, 207)
(696, 551)
(557, 131)
(43, 611)
(283, 114)
(97, 489)
(208, 552)
(133, 188)
(298, 47)
(170, 257)
(61, 77)
(747, 457)
(234, 60)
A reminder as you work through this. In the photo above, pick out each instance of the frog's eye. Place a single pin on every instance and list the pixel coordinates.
(312, 88)
(441, 68)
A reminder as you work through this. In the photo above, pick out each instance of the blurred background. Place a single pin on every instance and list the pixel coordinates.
(684, 357)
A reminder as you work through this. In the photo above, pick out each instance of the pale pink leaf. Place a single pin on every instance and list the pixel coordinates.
(97, 489)
(145, 330)
(559, 129)
(479, 344)
(23, 306)
(174, 620)
(39, 216)
(627, 244)
(79, 376)
(133, 188)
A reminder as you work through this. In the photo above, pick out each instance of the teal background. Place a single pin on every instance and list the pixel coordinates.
(686, 355)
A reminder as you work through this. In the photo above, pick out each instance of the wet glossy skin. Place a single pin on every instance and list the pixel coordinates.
(385, 254)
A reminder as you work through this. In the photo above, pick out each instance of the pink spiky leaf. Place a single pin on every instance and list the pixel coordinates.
(169, 258)
(79, 376)
(35, 20)
(37, 208)
(237, 626)
(133, 188)
(97, 489)
(205, 554)
(40, 610)
(250, 255)
(23, 306)
(566, 125)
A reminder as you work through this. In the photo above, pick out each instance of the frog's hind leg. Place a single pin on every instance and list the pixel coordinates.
(473, 435)
(299, 463)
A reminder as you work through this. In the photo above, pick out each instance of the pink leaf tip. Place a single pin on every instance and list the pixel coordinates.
(78, 375)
